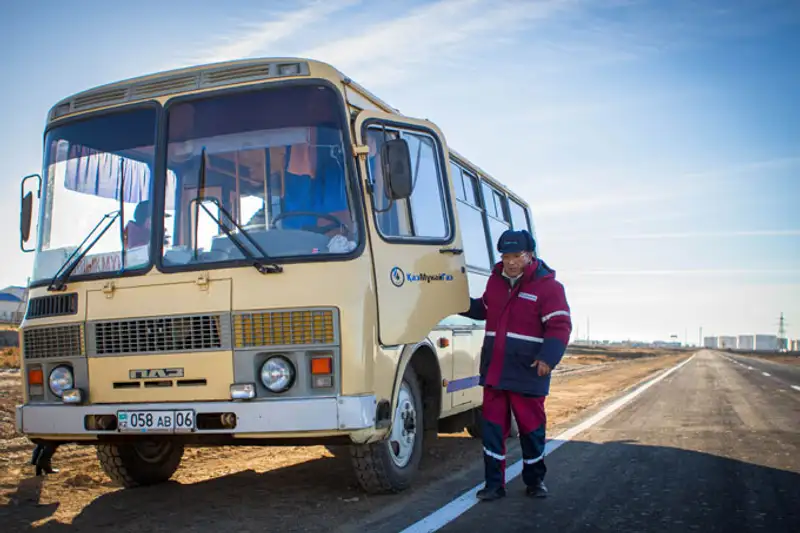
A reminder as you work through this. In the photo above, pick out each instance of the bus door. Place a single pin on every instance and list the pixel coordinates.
(414, 233)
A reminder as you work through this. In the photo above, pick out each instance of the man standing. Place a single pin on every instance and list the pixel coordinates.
(528, 327)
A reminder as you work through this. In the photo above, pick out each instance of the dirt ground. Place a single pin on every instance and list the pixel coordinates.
(9, 358)
(252, 488)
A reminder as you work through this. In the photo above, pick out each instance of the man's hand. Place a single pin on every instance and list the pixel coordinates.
(543, 367)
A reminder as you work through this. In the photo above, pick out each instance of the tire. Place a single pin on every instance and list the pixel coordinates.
(141, 463)
(389, 466)
(475, 429)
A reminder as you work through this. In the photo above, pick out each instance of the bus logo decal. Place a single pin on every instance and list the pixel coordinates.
(151, 373)
(398, 277)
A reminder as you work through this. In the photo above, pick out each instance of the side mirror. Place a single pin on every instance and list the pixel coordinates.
(26, 216)
(397, 169)
(26, 212)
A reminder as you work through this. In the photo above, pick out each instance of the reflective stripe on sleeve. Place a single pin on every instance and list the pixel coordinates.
(525, 337)
(548, 316)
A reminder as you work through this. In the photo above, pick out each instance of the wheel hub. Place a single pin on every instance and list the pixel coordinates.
(404, 429)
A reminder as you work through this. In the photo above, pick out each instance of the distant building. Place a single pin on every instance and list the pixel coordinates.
(19, 292)
(747, 342)
(727, 343)
(710, 342)
(12, 304)
(10, 308)
(766, 343)
(666, 344)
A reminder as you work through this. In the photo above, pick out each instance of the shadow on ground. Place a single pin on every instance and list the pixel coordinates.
(616, 486)
(309, 496)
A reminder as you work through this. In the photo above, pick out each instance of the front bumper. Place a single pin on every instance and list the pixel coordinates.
(344, 413)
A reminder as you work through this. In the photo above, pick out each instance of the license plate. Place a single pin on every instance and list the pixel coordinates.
(155, 421)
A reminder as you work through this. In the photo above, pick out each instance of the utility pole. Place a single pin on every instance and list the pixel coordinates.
(782, 333)
(700, 339)
(588, 337)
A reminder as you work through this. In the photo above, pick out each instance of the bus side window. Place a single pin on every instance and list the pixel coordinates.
(518, 217)
(423, 215)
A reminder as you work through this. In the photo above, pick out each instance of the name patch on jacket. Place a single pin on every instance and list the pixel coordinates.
(528, 296)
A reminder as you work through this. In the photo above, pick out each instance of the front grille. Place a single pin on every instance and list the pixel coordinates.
(53, 341)
(283, 328)
(158, 335)
(52, 305)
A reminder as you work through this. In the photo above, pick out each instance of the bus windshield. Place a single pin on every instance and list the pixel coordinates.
(269, 163)
(94, 167)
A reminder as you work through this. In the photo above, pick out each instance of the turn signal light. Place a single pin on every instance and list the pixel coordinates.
(35, 376)
(322, 372)
(321, 365)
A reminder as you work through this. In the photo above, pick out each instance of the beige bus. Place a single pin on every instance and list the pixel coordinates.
(255, 252)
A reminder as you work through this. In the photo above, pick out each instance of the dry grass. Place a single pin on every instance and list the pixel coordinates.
(620, 352)
(9, 358)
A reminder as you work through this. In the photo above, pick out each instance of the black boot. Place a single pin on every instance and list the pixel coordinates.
(43, 462)
(537, 490)
(489, 494)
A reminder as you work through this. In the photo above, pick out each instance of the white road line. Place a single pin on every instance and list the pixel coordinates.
(766, 374)
(443, 516)
(795, 387)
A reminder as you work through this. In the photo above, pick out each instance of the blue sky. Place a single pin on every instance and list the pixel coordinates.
(658, 142)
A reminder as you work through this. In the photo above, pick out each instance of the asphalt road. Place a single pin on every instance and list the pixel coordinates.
(787, 375)
(715, 446)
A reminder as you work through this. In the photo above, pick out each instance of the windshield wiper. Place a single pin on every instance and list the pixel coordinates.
(59, 280)
(261, 267)
(257, 264)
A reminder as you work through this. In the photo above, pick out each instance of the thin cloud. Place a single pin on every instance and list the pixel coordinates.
(585, 204)
(682, 272)
(707, 234)
(745, 168)
(257, 38)
(430, 34)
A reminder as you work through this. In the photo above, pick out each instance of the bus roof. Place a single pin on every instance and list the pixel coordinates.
(226, 73)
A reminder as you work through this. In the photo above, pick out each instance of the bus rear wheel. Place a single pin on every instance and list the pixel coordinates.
(390, 465)
(140, 463)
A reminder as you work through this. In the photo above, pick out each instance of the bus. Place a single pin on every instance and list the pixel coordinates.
(254, 252)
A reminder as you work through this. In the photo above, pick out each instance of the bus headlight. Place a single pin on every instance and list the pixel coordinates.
(61, 379)
(277, 374)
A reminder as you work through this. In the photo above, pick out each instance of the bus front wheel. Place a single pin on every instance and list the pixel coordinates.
(390, 464)
(140, 463)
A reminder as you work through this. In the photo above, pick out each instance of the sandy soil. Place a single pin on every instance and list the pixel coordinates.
(251, 488)
(9, 358)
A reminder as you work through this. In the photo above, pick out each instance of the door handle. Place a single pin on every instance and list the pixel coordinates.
(454, 251)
